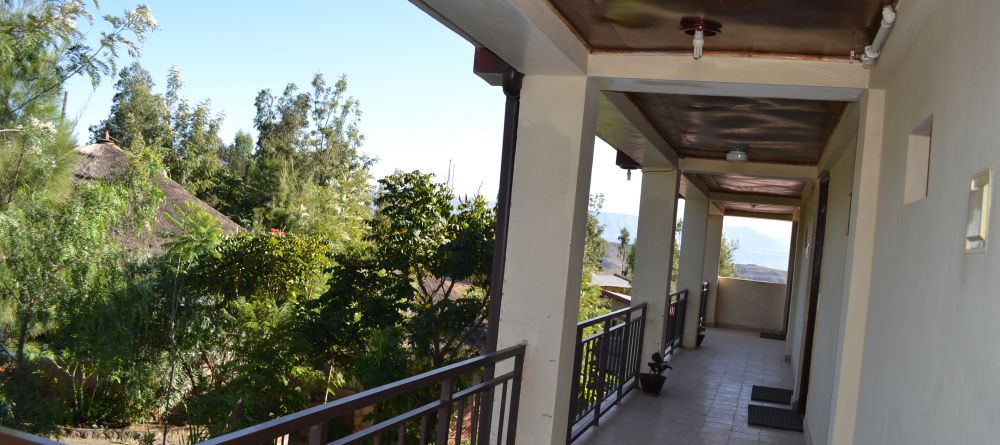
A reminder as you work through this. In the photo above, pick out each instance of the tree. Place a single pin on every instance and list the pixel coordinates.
(244, 354)
(43, 45)
(594, 244)
(623, 249)
(309, 174)
(727, 263)
(58, 260)
(185, 135)
(139, 118)
(420, 283)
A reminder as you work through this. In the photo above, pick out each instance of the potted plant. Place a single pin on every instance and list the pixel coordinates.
(652, 382)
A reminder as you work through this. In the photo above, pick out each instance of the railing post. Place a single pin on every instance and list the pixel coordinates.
(642, 337)
(625, 344)
(515, 397)
(681, 315)
(444, 412)
(575, 386)
(602, 358)
(317, 434)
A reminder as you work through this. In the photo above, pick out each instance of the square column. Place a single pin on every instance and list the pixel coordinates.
(858, 275)
(710, 269)
(654, 254)
(548, 216)
(692, 262)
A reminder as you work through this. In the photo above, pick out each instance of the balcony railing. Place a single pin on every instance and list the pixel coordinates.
(606, 365)
(440, 421)
(14, 437)
(674, 325)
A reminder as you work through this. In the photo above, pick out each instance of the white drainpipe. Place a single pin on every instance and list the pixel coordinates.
(874, 50)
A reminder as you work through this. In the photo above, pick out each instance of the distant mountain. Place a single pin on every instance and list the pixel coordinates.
(761, 273)
(756, 248)
(613, 223)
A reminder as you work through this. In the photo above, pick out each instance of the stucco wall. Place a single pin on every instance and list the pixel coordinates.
(750, 304)
(831, 297)
(931, 361)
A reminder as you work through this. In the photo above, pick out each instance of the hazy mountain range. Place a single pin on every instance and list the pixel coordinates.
(755, 248)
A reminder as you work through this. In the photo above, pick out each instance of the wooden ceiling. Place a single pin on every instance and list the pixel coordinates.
(788, 131)
(814, 28)
(741, 184)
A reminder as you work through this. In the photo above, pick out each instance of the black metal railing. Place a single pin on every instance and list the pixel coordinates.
(674, 323)
(14, 437)
(453, 417)
(605, 366)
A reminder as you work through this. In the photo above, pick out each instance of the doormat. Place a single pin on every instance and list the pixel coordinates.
(771, 417)
(771, 395)
(772, 335)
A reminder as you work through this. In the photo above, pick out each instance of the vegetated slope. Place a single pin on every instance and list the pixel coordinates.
(760, 273)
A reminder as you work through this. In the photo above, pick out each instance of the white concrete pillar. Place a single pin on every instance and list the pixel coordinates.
(692, 261)
(710, 269)
(548, 215)
(858, 273)
(654, 252)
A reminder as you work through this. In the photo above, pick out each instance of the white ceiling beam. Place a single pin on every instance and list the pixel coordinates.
(755, 199)
(629, 110)
(760, 215)
(844, 135)
(619, 132)
(694, 188)
(526, 34)
(730, 75)
(761, 169)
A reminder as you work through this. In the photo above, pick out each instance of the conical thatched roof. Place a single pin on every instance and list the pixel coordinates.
(104, 160)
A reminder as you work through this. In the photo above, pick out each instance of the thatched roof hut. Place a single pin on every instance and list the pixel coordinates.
(104, 160)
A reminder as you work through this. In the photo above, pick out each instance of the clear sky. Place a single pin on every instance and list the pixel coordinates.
(421, 104)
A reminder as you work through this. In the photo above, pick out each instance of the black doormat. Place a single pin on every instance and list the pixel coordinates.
(771, 417)
(772, 335)
(771, 395)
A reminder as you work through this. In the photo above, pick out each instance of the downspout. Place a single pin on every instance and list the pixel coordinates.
(511, 84)
(873, 51)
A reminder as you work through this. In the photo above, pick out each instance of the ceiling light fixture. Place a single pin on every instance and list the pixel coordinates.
(699, 28)
(738, 153)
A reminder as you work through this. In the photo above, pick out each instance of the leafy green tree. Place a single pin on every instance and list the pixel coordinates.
(194, 156)
(727, 263)
(186, 135)
(420, 283)
(309, 175)
(44, 43)
(624, 238)
(58, 260)
(138, 117)
(594, 245)
(244, 354)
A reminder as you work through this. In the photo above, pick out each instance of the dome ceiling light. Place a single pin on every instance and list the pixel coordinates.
(699, 28)
(738, 153)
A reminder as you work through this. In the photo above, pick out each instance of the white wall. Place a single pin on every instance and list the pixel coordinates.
(754, 305)
(931, 361)
(831, 296)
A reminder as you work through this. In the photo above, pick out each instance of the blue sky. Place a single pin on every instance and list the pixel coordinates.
(421, 104)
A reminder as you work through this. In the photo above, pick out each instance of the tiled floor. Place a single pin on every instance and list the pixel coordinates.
(705, 398)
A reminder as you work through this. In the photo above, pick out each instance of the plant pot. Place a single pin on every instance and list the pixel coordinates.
(651, 383)
(701, 338)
